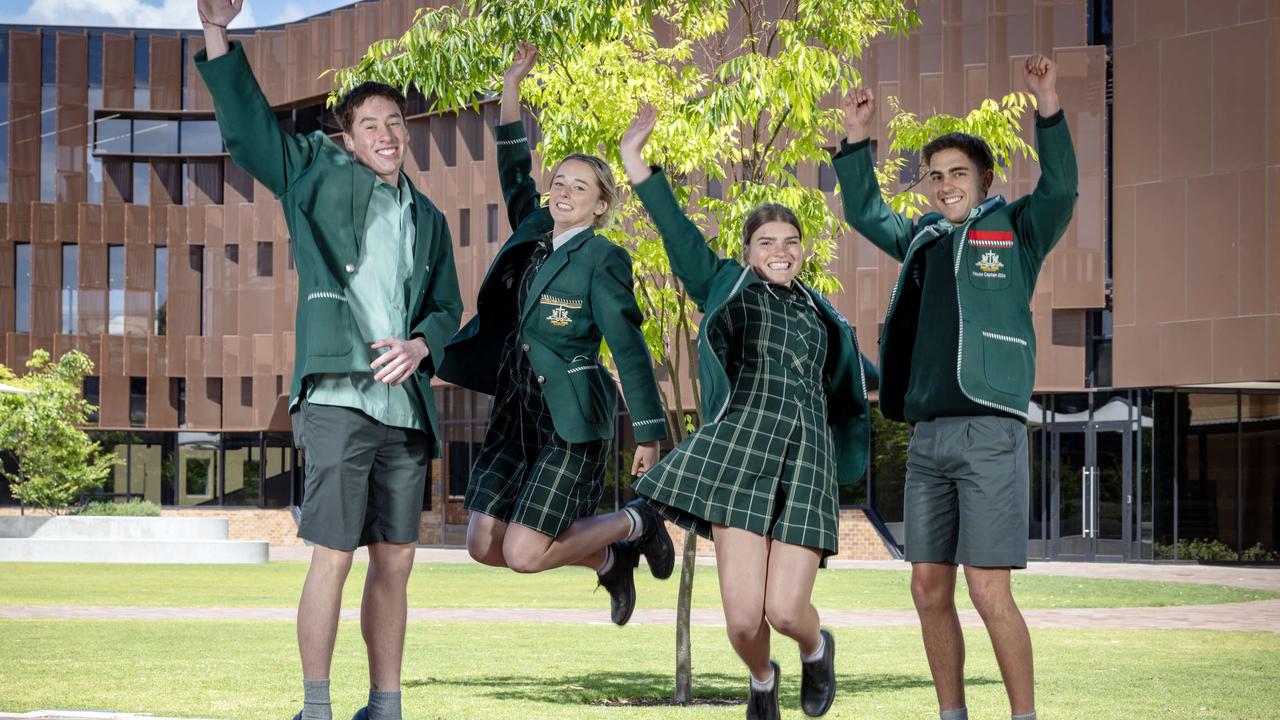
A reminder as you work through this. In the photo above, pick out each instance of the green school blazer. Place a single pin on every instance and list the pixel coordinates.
(325, 196)
(712, 282)
(583, 294)
(998, 256)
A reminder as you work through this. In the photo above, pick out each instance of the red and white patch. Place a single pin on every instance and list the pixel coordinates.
(991, 238)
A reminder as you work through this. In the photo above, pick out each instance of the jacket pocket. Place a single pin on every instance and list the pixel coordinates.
(990, 259)
(587, 378)
(327, 323)
(1008, 361)
(561, 314)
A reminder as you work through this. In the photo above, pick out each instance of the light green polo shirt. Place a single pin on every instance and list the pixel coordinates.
(376, 295)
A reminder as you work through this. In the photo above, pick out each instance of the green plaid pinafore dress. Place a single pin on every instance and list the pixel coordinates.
(768, 465)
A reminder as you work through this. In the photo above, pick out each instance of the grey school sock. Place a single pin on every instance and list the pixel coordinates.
(315, 700)
(1031, 716)
(607, 565)
(763, 685)
(954, 714)
(384, 705)
(637, 524)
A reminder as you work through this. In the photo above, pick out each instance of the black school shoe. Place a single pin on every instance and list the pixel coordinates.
(361, 714)
(818, 680)
(655, 542)
(763, 704)
(620, 581)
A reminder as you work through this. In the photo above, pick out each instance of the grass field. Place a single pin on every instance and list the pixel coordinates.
(439, 585)
(243, 671)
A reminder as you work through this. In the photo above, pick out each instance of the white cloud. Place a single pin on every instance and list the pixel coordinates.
(290, 12)
(180, 14)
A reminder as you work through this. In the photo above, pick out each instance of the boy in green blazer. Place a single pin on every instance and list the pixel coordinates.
(957, 359)
(553, 293)
(377, 299)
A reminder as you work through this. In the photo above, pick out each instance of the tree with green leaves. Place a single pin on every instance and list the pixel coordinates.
(748, 91)
(56, 460)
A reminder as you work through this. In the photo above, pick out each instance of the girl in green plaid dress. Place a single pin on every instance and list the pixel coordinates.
(784, 396)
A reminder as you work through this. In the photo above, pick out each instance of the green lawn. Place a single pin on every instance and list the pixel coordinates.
(242, 671)
(467, 585)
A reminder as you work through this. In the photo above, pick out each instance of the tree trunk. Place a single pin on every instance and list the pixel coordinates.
(684, 654)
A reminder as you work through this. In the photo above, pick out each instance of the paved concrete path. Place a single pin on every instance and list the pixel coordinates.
(81, 715)
(1261, 616)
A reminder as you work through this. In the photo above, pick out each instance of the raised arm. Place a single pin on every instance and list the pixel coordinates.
(864, 208)
(1044, 217)
(691, 260)
(248, 125)
(519, 191)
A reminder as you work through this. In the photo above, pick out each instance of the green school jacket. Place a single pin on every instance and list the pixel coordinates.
(998, 256)
(712, 282)
(583, 294)
(325, 196)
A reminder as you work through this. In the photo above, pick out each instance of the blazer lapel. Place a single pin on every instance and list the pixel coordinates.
(424, 233)
(361, 190)
(554, 264)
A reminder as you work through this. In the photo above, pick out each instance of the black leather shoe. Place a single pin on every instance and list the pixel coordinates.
(361, 714)
(655, 542)
(818, 680)
(763, 705)
(620, 581)
(297, 717)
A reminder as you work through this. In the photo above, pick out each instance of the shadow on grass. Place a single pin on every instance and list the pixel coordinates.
(633, 689)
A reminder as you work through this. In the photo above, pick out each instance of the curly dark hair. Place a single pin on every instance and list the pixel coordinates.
(345, 110)
(974, 147)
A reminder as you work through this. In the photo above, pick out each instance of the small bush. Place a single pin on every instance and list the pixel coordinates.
(1213, 550)
(133, 508)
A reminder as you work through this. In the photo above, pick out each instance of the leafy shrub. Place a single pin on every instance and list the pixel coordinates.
(133, 508)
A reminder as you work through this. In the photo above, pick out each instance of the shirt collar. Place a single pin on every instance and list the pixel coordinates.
(404, 195)
(992, 203)
(565, 236)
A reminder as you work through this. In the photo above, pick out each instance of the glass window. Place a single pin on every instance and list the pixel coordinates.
(888, 470)
(141, 183)
(826, 176)
(162, 288)
(1260, 476)
(242, 458)
(142, 71)
(22, 287)
(113, 135)
(137, 401)
(1207, 491)
(197, 476)
(48, 143)
(200, 136)
(70, 287)
(280, 467)
(154, 137)
(464, 228)
(95, 58)
(92, 162)
(195, 261)
(48, 56)
(92, 395)
(263, 266)
(491, 213)
(115, 289)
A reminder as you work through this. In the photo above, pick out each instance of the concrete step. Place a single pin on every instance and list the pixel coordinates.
(133, 551)
(75, 527)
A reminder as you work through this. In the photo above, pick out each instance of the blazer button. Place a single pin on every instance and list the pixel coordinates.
(541, 379)
(525, 347)
(351, 268)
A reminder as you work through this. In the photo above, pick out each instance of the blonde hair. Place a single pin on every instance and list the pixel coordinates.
(604, 183)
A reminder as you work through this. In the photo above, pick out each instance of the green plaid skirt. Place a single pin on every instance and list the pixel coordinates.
(767, 466)
(525, 472)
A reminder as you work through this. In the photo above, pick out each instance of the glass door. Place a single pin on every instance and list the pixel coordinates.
(1091, 497)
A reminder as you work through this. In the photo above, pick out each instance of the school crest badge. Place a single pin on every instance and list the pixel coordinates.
(990, 262)
(560, 307)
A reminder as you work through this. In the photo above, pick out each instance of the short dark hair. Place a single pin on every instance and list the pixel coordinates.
(767, 213)
(345, 110)
(974, 147)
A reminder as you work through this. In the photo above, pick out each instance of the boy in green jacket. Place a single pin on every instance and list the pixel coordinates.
(377, 300)
(957, 361)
